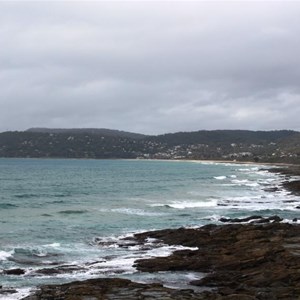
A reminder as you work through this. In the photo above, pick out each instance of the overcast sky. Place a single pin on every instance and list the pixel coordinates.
(150, 67)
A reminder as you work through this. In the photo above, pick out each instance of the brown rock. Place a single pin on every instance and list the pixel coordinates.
(244, 262)
(113, 289)
(238, 257)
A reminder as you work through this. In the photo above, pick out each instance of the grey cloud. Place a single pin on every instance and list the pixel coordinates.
(151, 67)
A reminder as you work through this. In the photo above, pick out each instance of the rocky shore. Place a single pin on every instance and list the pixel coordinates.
(253, 258)
(251, 261)
(291, 179)
(241, 261)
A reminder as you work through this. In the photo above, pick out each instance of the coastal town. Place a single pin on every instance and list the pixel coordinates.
(233, 145)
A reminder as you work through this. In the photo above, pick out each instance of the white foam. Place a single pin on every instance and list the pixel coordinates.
(280, 200)
(268, 180)
(253, 184)
(227, 164)
(192, 204)
(20, 294)
(291, 221)
(166, 251)
(264, 173)
(248, 169)
(220, 177)
(124, 259)
(240, 181)
(53, 245)
(245, 182)
(5, 254)
(124, 264)
(195, 193)
(137, 212)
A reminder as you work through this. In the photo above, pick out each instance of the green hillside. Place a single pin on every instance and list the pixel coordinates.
(240, 145)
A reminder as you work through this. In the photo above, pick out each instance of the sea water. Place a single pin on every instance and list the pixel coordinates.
(72, 214)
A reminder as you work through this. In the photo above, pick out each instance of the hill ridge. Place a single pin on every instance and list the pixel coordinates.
(240, 145)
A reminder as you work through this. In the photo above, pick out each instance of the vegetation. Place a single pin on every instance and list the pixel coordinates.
(240, 145)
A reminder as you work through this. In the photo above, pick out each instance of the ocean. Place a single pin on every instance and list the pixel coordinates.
(64, 219)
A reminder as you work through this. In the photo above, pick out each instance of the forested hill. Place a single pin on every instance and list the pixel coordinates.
(98, 131)
(224, 137)
(240, 145)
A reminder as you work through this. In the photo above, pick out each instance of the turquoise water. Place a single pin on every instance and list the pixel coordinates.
(73, 212)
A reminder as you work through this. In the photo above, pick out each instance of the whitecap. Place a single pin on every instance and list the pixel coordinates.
(244, 170)
(220, 177)
(244, 182)
(254, 184)
(137, 212)
(5, 254)
(239, 180)
(191, 204)
(53, 245)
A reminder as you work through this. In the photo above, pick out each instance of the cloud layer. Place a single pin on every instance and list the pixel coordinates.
(150, 67)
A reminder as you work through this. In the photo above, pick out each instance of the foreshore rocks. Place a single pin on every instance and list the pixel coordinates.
(14, 272)
(251, 219)
(6, 291)
(290, 172)
(113, 289)
(241, 261)
(258, 260)
(293, 186)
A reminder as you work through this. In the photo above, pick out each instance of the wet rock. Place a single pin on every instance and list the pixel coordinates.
(292, 170)
(113, 289)
(293, 186)
(4, 291)
(253, 219)
(243, 258)
(269, 219)
(58, 270)
(14, 272)
(272, 189)
(240, 220)
(242, 261)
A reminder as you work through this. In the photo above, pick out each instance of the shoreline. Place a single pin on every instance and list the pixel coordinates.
(159, 159)
(240, 262)
(117, 284)
(289, 170)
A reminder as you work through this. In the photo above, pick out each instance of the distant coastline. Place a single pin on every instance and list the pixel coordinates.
(239, 146)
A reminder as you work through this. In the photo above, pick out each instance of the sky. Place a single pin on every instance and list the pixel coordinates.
(150, 67)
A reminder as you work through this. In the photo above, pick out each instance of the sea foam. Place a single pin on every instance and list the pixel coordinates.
(4, 255)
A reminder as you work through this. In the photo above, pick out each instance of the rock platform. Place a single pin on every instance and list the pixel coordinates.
(242, 262)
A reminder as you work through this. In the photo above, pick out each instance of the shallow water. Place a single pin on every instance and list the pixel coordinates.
(73, 212)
